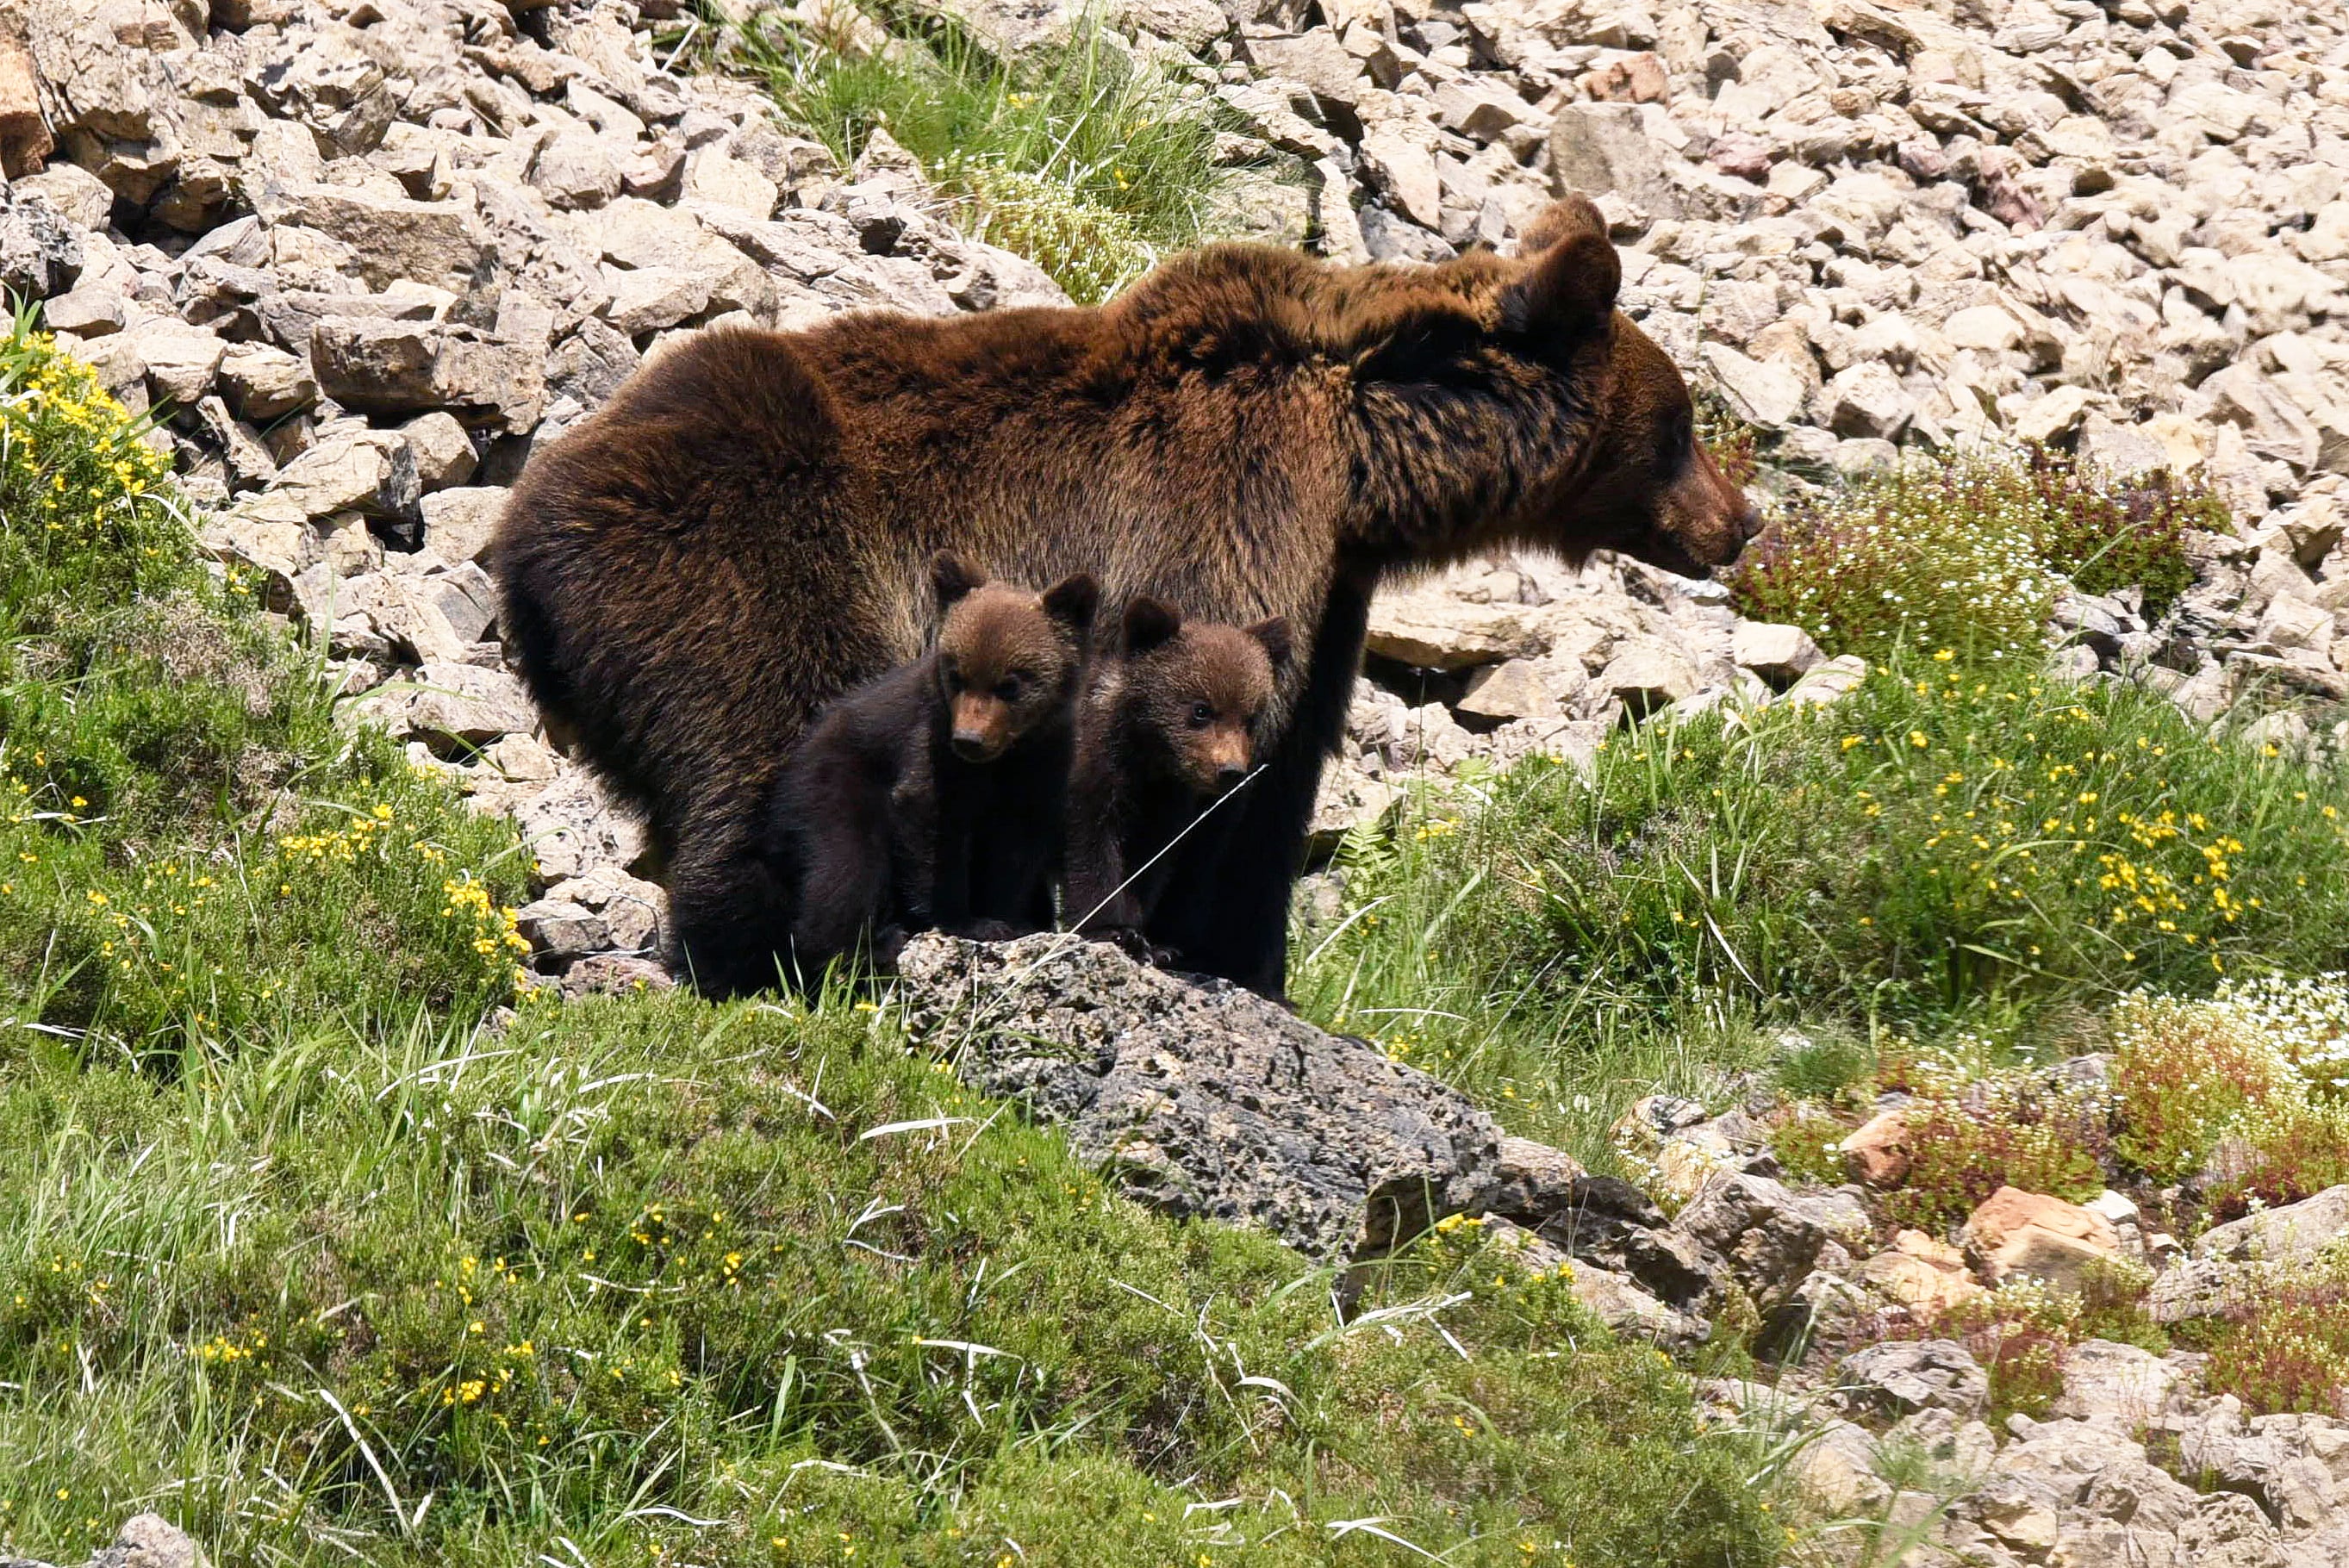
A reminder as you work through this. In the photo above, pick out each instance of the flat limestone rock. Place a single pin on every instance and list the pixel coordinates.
(1203, 1098)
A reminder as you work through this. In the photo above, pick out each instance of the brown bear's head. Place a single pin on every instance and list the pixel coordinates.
(1509, 401)
(1008, 660)
(1648, 486)
(1192, 697)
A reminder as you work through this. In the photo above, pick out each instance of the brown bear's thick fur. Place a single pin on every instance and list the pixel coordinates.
(932, 796)
(744, 531)
(1172, 719)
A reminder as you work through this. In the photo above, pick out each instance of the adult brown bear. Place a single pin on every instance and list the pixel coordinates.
(745, 530)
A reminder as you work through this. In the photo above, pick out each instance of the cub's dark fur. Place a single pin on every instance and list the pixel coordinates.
(744, 531)
(1170, 721)
(933, 797)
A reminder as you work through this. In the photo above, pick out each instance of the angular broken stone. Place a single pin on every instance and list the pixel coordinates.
(1645, 676)
(262, 383)
(390, 368)
(460, 523)
(1780, 655)
(1598, 148)
(1200, 1097)
(1514, 688)
(1903, 1377)
(444, 453)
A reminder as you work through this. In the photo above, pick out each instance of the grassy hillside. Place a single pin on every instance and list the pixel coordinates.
(322, 1238)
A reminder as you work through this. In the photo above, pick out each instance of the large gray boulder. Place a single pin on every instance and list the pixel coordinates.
(1201, 1097)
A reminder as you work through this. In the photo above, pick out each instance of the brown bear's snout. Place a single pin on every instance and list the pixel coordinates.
(1710, 517)
(1224, 761)
(982, 727)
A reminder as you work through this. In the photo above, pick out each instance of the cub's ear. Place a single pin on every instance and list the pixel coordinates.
(1273, 635)
(1150, 624)
(952, 577)
(1071, 602)
(1572, 273)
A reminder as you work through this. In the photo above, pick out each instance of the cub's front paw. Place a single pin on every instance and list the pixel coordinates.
(1130, 940)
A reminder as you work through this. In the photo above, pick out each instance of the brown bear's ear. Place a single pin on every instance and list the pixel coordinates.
(1572, 273)
(953, 577)
(1150, 624)
(1071, 602)
(1273, 635)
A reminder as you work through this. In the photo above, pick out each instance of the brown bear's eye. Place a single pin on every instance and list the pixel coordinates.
(1009, 689)
(1201, 716)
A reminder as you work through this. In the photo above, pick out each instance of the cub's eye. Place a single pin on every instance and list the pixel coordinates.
(953, 681)
(1009, 689)
(1201, 716)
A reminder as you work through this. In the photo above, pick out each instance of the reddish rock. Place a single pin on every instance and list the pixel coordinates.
(1742, 156)
(1877, 1154)
(1631, 78)
(2031, 1235)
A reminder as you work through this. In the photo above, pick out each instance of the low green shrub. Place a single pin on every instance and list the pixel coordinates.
(1942, 849)
(1932, 840)
(1967, 552)
(1085, 160)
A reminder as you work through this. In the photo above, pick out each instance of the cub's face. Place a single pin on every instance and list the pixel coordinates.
(1201, 692)
(1008, 659)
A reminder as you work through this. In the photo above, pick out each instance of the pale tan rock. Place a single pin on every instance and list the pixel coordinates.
(1917, 1272)
(1514, 688)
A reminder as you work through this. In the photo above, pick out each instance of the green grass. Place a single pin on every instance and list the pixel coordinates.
(1088, 164)
(309, 1242)
(1945, 850)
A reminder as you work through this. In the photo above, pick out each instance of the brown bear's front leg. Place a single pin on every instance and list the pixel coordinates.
(730, 911)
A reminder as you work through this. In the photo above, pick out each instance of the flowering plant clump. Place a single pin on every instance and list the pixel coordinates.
(1940, 837)
(150, 727)
(84, 498)
(1931, 555)
(2184, 1071)
(2281, 1341)
(2106, 531)
(1969, 1136)
(2023, 1332)
(2287, 1151)
(2245, 1087)
(1091, 251)
(1969, 552)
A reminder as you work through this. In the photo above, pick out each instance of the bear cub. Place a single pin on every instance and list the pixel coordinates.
(1170, 721)
(935, 795)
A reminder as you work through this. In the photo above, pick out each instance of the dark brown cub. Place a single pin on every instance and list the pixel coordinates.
(935, 795)
(1171, 721)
